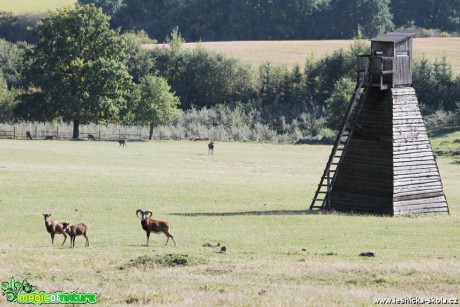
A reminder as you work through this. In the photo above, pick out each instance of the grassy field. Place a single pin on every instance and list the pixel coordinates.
(249, 197)
(290, 53)
(32, 6)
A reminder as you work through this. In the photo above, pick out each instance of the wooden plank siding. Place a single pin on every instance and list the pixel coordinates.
(403, 68)
(388, 166)
(364, 181)
(417, 182)
(397, 46)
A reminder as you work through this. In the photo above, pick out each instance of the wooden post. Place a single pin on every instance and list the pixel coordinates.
(99, 133)
(57, 132)
(14, 132)
(328, 191)
(35, 136)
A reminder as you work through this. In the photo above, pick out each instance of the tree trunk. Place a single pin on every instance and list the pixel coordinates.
(76, 129)
(151, 131)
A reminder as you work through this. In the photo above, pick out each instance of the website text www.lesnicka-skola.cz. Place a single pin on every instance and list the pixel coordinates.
(416, 300)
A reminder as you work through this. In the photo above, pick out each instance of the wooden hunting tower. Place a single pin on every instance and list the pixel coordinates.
(382, 161)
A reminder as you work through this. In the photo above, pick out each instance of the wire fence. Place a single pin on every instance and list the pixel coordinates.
(95, 133)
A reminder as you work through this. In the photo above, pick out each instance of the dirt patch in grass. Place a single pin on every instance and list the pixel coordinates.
(168, 260)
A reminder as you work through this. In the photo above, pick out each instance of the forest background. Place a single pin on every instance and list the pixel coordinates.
(224, 98)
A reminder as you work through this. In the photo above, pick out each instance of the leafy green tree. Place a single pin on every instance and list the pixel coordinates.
(140, 61)
(203, 78)
(338, 102)
(11, 57)
(372, 17)
(110, 7)
(156, 105)
(77, 69)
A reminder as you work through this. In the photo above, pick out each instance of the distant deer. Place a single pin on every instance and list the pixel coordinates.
(28, 135)
(91, 137)
(122, 143)
(211, 148)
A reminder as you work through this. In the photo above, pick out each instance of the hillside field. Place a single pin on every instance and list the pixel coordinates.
(287, 53)
(290, 53)
(250, 197)
(32, 6)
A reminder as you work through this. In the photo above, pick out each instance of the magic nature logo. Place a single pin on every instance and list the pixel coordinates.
(23, 293)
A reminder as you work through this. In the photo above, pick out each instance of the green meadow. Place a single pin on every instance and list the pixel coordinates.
(249, 197)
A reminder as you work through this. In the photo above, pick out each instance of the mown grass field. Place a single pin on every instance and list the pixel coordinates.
(32, 6)
(249, 197)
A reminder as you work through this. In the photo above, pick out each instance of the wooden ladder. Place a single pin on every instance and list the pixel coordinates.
(321, 199)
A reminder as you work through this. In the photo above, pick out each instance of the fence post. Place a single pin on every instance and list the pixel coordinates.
(99, 133)
(35, 132)
(14, 132)
(57, 132)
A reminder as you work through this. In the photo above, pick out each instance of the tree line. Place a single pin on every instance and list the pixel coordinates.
(82, 71)
(221, 20)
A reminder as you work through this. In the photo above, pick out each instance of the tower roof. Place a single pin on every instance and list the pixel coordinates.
(393, 37)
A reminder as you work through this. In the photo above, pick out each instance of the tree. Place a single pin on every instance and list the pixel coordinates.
(157, 104)
(11, 57)
(372, 17)
(77, 69)
(339, 102)
(140, 61)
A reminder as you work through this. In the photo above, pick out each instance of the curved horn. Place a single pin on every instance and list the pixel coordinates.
(148, 213)
(137, 213)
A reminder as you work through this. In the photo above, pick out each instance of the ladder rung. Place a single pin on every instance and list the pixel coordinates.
(342, 141)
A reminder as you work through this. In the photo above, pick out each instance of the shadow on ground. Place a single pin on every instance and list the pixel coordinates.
(271, 212)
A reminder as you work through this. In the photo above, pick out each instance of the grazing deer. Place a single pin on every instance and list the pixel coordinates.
(28, 135)
(91, 137)
(122, 143)
(211, 148)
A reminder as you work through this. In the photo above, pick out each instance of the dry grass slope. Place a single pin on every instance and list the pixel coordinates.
(32, 6)
(290, 53)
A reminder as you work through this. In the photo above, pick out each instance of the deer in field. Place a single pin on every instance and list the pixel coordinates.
(54, 227)
(122, 143)
(76, 230)
(211, 148)
(155, 226)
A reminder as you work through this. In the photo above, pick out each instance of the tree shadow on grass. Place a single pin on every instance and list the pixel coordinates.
(270, 212)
